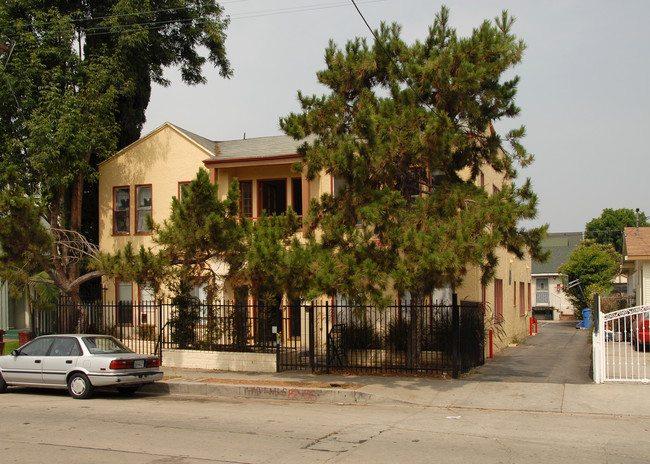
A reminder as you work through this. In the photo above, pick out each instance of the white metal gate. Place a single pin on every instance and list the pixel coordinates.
(621, 346)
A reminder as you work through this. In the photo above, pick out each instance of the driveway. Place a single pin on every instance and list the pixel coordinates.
(559, 353)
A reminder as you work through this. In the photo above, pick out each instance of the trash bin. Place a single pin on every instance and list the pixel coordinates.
(24, 337)
(586, 318)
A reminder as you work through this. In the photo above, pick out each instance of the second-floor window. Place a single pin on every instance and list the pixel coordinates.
(182, 190)
(246, 198)
(296, 195)
(273, 196)
(121, 210)
(143, 211)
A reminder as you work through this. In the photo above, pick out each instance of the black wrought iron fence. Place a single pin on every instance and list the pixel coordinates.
(426, 337)
(318, 336)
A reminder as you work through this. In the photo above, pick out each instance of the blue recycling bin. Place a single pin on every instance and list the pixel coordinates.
(586, 318)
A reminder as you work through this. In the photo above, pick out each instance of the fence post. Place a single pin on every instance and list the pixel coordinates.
(327, 338)
(455, 334)
(598, 367)
(280, 332)
(595, 314)
(160, 329)
(312, 319)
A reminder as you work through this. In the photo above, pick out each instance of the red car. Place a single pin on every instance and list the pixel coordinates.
(640, 331)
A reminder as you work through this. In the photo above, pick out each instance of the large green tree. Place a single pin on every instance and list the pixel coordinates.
(592, 266)
(406, 130)
(75, 82)
(609, 226)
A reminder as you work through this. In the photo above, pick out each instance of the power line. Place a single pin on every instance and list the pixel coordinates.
(154, 25)
(392, 60)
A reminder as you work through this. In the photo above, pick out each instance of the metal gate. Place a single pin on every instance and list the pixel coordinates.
(621, 345)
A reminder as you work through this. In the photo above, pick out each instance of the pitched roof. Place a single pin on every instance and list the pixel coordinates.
(560, 245)
(255, 148)
(209, 145)
(240, 150)
(637, 243)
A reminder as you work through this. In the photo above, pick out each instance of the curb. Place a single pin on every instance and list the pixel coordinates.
(285, 393)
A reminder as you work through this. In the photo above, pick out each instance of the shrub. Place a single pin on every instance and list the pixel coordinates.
(359, 335)
(147, 332)
(185, 318)
(397, 336)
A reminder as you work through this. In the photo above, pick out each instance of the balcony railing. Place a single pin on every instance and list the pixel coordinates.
(543, 298)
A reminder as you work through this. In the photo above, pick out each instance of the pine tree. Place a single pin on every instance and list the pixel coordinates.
(406, 130)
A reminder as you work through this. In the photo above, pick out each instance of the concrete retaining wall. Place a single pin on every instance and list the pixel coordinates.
(225, 361)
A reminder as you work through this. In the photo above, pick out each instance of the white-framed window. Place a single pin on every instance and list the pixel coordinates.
(125, 302)
(200, 292)
(147, 303)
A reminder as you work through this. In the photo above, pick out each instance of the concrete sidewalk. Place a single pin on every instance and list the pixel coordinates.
(549, 373)
(610, 399)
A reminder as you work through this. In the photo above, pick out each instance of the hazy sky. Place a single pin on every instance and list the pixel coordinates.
(583, 93)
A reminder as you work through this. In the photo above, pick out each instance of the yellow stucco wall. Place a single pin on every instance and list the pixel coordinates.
(161, 159)
(511, 271)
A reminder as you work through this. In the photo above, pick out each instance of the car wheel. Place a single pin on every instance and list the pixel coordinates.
(79, 386)
(3, 384)
(130, 390)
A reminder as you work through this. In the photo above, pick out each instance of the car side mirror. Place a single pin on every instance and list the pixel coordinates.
(14, 353)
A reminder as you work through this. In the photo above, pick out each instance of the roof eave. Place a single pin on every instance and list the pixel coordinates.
(257, 160)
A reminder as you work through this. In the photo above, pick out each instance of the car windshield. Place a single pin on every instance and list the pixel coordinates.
(103, 345)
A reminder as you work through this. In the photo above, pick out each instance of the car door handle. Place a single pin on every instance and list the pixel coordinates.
(37, 361)
(69, 361)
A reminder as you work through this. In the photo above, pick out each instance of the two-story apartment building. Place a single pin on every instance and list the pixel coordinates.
(142, 179)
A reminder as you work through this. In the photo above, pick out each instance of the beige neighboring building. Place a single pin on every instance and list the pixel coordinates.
(142, 179)
(636, 264)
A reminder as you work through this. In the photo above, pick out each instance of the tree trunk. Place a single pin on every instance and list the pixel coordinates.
(414, 345)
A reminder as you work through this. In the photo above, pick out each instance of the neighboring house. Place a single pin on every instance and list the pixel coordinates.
(636, 264)
(548, 283)
(14, 311)
(142, 179)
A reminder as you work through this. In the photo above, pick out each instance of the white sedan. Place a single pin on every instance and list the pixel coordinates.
(79, 363)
